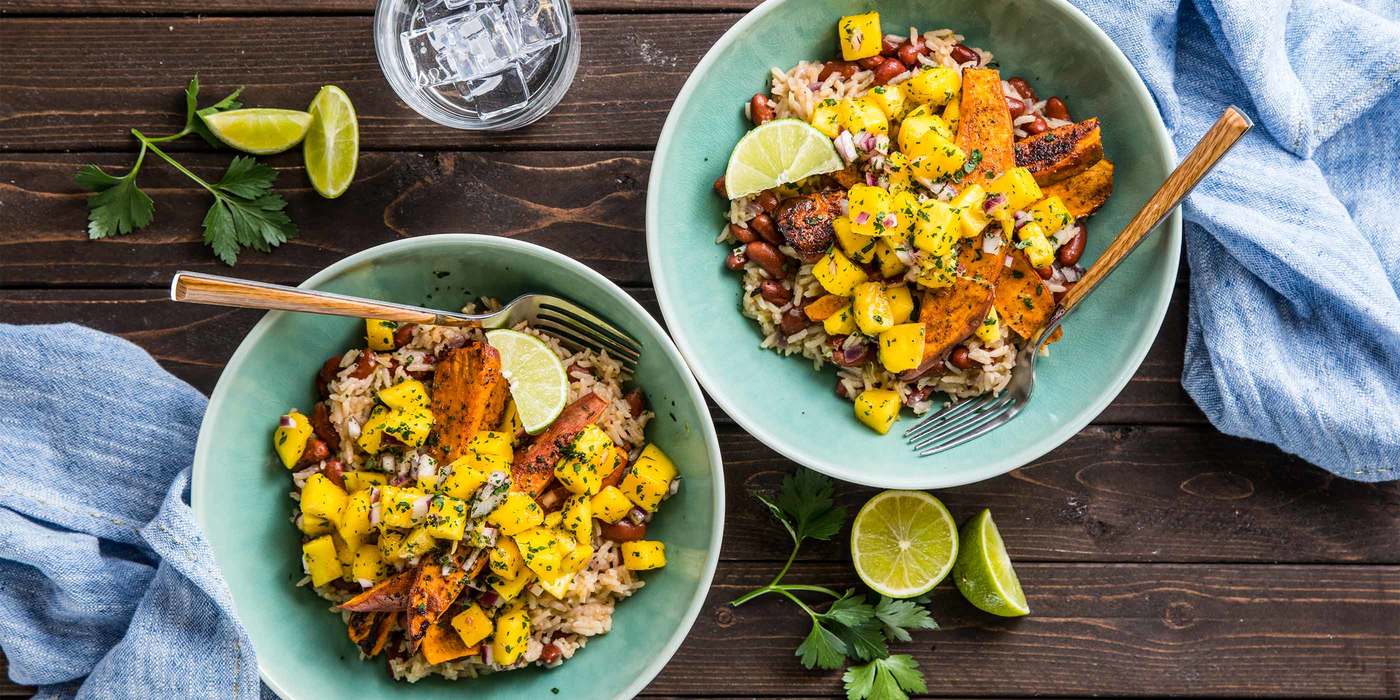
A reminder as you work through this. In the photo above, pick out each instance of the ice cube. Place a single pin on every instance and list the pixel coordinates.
(541, 23)
(477, 44)
(498, 94)
(424, 60)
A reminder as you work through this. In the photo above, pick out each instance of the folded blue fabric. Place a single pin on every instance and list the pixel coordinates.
(107, 586)
(1293, 242)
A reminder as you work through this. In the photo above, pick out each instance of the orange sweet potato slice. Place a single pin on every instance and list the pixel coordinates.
(370, 632)
(979, 265)
(387, 595)
(442, 643)
(984, 125)
(1023, 302)
(1084, 193)
(533, 467)
(433, 591)
(469, 395)
(1061, 153)
(823, 308)
(951, 314)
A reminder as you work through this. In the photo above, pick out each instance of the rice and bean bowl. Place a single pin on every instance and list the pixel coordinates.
(449, 540)
(944, 240)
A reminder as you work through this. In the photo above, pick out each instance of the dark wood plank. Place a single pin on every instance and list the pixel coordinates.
(8, 688)
(213, 8)
(1095, 629)
(631, 68)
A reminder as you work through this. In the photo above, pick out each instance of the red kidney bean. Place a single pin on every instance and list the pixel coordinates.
(759, 111)
(1073, 249)
(794, 320)
(403, 334)
(550, 654)
(1022, 87)
(1055, 108)
(917, 395)
(767, 200)
(908, 54)
(1060, 296)
(335, 471)
(321, 425)
(733, 261)
(774, 292)
(1039, 126)
(841, 390)
(315, 451)
(364, 364)
(622, 531)
(962, 54)
(745, 235)
(1016, 106)
(636, 402)
(870, 62)
(767, 257)
(719, 187)
(488, 599)
(889, 45)
(329, 369)
(845, 69)
(763, 226)
(853, 356)
(959, 357)
(1045, 272)
(889, 70)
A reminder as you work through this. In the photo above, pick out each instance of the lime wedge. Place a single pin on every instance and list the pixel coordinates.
(903, 543)
(776, 153)
(983, 572)
(537, 380)
(259, 131)
(332, 145)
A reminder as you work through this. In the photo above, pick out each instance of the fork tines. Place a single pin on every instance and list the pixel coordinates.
(573, 324)
(959, 423)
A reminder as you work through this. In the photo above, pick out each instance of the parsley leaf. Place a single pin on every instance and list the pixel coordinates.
(194, 116)
(822, 649)
(248, 178)
(806, 499)
(117, 206)
(900, 616)
(890, 678)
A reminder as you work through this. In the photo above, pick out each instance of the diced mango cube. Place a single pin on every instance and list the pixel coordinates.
(473, 625)
(577, 557)
(642, 555)
(322, 498)
(406, 395)
(1018, 186)
(933, 85)
(868, 208)
(354, 520)
(932, 156)
(901, 302)
(518, 513)
(915, 126)
(379, 335)
(508, 589)
(610, 504)
(490, 442)
(968, 207)
(644, 490)
(825, 119)
(862, 114)
(1051, 214)
(890, 264)
(368, 564)
(952, 112)
(578, 518)
(396, 505)
(872, 309)
(467, 473)
(389, 544)
(936, 229)
(409, 426)
(843, 322)
(990, 329)
(837, 274)
(512, 636)
(1036, 245)
(889, 98)
(859, 248)
(362, 480)
(558, 586)
(901, 174)
(319, 560)
(877, 408)
(902, 347)
(290, 441)
(580, 471)
(372, 432)
(860, 36)
(447, 517)
(416, 543)
(539, 549)
(504, 559)
(655, 462)
(314, 526)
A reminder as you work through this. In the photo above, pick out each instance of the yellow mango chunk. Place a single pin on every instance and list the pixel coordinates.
(473, 625)
(322, 498)
(512, 636)
(825, 118)
(508, 589)
(447, 517)
(314, 526)
(902, 347)
(539, 549)
(354, 519)
(362, 480)
(837, 274)
(654, 462)
(518, 513)
(578, 518)
(610, 504)
(857, 247)
(1051, 214)
(901, 302)
(1036, 245)
(581, 469)
(933, 85)
(396, 505)
(872, 309)
(968, 208)
(290, 440)
(933, 156)
(990, 330)
(504, 559)
(890, 264)
(643, 555)
(936, 228)
(889, 98)
(1018, 186)
(407, 394)
(416, 544)
(878, 408)
(643, 490)
(860, 36)
(368, 564)
(319, 560)
(843, 322)
(379, 335)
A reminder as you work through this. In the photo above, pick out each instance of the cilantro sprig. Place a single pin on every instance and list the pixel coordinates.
(245, 212)
(850, 628)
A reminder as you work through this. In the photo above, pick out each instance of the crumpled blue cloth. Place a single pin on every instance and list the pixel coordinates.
(1294, 240)
(107, 586)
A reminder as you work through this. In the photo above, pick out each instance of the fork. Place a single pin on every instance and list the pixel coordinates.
(971, 419)
(574, 326)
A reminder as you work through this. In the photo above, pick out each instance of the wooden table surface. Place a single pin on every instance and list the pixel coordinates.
(1159, 556)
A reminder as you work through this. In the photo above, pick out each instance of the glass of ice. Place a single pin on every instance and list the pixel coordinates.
(478, 64)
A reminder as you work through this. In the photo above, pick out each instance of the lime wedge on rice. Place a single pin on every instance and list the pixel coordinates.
(983, 572)
(776, 153)
(332, 146)
(259, 131)
(538, 384)
(903, 543)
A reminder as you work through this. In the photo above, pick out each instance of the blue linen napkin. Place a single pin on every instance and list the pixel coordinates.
(1294, 240)
(107, 586)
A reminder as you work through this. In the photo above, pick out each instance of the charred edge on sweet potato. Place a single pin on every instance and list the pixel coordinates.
(1062, 152)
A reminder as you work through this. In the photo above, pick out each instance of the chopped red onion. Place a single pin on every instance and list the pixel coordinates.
(1007, 262)
(1073, 274)
(870, 178)
(862, 218)
(352, 429)
(1065, 233)
(993, 202)
(486, 654)
(890, 221)
(814, 86)
(845, 146)
(420, 507)
(991, 243)
(286, 422)
(882, 144)
(488, 600)
(844, 206)
(364, 582)
(865, 140)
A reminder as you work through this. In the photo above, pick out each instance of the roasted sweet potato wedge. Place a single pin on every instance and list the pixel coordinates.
(433, 591)
(984, 125)
(1023, 302)
(469, 395)
(1061, 153)
(975, 263)
(388, 595)
(1084, 193)
(951, 314)
(370, 631)
(442, 643)
(534, 465)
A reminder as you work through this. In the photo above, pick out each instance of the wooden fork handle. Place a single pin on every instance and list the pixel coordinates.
(200, 288)
(1217, 141)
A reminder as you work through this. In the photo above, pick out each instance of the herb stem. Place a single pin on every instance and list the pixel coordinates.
(147, 142)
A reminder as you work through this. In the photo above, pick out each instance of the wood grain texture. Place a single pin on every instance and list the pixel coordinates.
(1094, 629)
(630, 70)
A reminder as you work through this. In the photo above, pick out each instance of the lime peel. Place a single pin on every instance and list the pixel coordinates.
(332, 146)
(538, 383)
(903, 543)
(777, 153)
(260, 131)
(983, 572)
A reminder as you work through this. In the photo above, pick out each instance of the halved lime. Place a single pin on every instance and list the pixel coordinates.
(537, 380)
(260, 131)
(903, 543)
(776, 153)
(332, 145)
(983, 572)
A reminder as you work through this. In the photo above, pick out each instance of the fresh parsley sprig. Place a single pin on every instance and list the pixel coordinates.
(245, 213)
(849, 628)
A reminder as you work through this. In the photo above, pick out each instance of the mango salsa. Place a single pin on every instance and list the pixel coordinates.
(836, 273)
(872, 309)
(319, 560)
(902, 347)
(322, 498)
(860, 36)
(1018, 186)
(877, 408)
(517, 514)
(290, 441)
(379, 335)
(473, 625)
(581, 469)
(610, 504)
(407, 394)
(901, 302)
(363, 480)
(512, 635)
(858, 247)
(578, 518)
(644, 490)
(504, 559)
(643, 555)
(825, 118)
(368, 564)
(843, 322)
(862, 114)
(1051, 214)
(968, 208)
(990, 330)
(934, 85)
(447, 517)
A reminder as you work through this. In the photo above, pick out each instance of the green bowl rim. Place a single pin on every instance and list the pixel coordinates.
(916, 478)
(507, 246)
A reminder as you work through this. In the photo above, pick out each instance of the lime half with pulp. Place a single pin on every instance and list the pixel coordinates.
(776, 153)
(259, 131)
(983, 572)
(903, 543)
(538, 384)
(332, 146)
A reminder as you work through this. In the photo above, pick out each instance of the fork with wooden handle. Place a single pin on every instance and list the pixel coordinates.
(959, 423)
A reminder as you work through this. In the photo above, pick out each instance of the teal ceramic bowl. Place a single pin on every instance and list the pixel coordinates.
(240, 491)
(782, 401)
